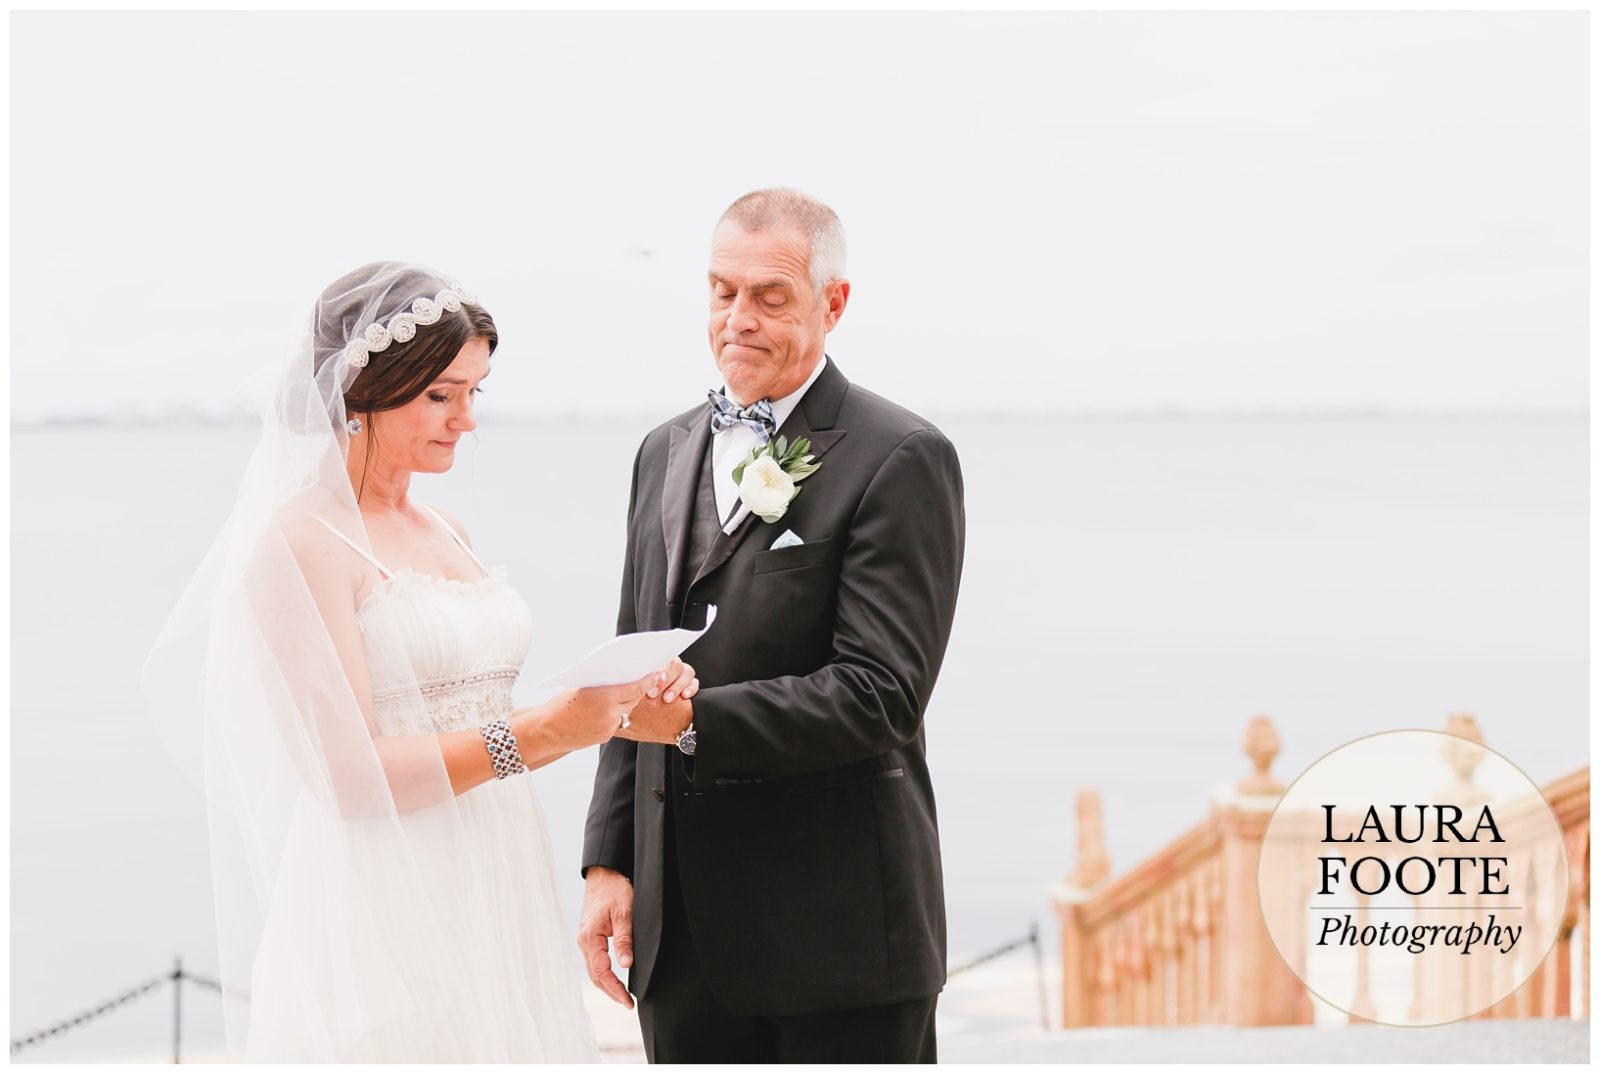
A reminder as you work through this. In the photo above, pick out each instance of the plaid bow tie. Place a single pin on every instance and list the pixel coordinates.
(725, 414)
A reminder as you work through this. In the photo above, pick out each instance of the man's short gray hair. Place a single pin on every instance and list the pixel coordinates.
(763, 210)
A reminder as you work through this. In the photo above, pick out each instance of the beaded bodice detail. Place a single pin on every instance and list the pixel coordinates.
(443, 655)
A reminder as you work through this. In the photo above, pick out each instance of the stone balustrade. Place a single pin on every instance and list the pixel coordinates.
(1180, 939)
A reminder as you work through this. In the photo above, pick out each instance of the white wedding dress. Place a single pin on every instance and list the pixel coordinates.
(504, 985)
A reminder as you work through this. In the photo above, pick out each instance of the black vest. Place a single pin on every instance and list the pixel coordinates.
(704, 524)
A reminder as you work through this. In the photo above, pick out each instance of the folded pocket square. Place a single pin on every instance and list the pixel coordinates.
(788, 540)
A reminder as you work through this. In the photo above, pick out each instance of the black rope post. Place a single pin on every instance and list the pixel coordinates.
(1038, 962)
(177, 1008)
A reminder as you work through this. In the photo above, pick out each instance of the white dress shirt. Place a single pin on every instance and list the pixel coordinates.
(730, 448)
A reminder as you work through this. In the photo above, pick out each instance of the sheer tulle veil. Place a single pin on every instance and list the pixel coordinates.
(320, 831)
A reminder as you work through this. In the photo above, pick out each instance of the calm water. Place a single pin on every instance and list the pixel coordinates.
(1134, 591)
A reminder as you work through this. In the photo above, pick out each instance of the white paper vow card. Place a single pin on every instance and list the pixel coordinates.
(630, 656)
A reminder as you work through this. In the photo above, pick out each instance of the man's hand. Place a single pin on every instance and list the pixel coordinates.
(607, 912)
(658, 721)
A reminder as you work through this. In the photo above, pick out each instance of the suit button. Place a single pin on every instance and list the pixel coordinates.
(660, 795)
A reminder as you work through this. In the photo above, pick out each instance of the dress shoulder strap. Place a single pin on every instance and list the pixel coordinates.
(464, 546)
(362, 552)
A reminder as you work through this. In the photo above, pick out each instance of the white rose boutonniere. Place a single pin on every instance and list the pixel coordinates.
(767, 477)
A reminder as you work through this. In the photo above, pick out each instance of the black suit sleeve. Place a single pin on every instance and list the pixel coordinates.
(898, 579)
(608, 832)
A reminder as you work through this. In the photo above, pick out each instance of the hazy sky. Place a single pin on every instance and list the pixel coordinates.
(1046, 211)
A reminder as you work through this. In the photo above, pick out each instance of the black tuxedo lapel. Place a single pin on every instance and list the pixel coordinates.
(685, 456)
(812, 420)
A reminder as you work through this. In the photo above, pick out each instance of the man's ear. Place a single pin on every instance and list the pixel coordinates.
(835, 296)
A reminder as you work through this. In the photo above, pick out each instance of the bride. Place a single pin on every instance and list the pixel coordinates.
(383, 876)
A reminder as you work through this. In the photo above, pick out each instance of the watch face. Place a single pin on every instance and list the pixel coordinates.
(686, 742)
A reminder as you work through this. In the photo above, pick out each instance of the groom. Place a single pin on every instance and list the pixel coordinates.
(764, 856)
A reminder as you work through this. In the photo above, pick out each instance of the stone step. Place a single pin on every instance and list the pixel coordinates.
(1540, 1040)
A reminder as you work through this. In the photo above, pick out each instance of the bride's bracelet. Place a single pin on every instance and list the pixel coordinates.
(503, 750)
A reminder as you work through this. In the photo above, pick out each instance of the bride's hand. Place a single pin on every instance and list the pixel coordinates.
(675, 680)
(578, 718)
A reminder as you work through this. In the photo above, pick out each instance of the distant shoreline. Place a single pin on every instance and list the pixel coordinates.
(202, 421)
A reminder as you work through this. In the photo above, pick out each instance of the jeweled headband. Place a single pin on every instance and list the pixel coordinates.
(402, 326)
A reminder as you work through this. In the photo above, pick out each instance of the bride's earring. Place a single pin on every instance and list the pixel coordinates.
(354, 425)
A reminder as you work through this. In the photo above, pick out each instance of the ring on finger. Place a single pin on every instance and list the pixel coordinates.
(626, 723)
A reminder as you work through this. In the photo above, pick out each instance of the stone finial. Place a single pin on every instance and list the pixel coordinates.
(1093, 865)
(1462, 753)
(1261, 746)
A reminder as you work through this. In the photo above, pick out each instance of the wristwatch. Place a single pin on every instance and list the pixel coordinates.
(685, 741)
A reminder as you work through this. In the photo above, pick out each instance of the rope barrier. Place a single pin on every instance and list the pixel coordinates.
(217, 987)
(1030, 940)
(90, 1015)
(203, 982)
(1005, 949)
(177, 975)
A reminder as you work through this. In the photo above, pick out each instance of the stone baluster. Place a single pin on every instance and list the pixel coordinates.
(1525, 1002)
(1544, 987)
(1105, 980)
(1562, 955)
(1126, 980)
(1168, 946)
(1188, 949)
(1216, 940)
(1583, 913)
(1152, 965)
(1362, 1008)
(1575, 923)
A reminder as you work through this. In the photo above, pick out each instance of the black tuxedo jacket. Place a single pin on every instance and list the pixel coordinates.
(805, 829)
